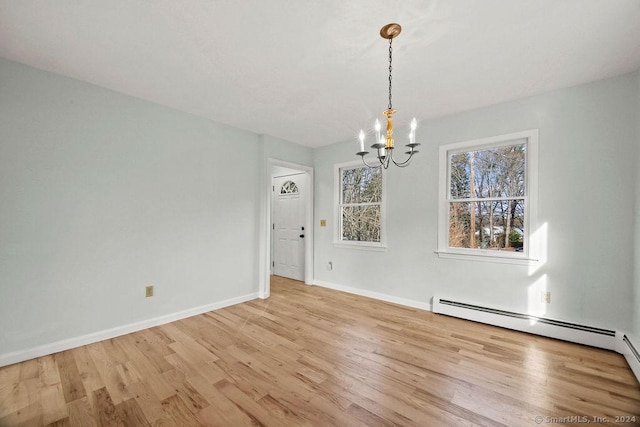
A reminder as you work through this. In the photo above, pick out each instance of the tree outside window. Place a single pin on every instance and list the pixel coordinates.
(487, 198)
(360, 204)
(486, 205)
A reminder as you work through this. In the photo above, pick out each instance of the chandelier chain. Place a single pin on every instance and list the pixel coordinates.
(390, 68)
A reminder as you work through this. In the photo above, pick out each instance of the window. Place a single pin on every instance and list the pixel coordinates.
(360, 205)
(487, 197)
(289, 187)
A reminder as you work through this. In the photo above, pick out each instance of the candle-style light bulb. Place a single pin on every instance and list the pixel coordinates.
(377, 127)
(412, 135)
(361, 137)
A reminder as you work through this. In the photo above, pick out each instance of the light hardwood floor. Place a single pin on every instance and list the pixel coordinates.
(313, 356)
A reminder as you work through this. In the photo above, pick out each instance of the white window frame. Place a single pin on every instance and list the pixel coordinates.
(337, 237)
(529, 255)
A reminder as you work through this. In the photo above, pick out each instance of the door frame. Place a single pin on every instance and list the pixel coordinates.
(302, 178)
(265, 259)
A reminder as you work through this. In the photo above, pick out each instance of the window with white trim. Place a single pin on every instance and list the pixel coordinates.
(487, 197)
(360, 205)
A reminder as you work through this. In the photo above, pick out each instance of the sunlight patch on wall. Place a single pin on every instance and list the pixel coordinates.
(538, 248)
(536, 305)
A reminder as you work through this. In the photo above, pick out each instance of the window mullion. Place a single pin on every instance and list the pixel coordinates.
(361, 204)
(487, 199)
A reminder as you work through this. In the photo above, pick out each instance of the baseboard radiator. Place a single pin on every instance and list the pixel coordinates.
(567, 331)
(632, 355)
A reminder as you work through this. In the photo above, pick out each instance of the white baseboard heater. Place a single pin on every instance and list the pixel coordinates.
(582, 334)
(632, 355)
(632, 349)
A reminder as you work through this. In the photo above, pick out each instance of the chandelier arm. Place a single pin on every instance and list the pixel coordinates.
(385, 162)
(405, 163)
(370, 166)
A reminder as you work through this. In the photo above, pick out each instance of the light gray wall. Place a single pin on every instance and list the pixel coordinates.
(102, 194)
(585, 205)
(282, 171)
(276, 148)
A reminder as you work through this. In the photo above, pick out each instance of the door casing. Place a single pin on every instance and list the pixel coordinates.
(264, 270)
(288, 219)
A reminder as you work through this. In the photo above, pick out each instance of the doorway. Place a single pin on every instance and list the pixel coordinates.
(274, 168)
(288, 224)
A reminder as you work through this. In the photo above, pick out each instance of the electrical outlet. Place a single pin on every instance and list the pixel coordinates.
(545, 297)
(148, 292)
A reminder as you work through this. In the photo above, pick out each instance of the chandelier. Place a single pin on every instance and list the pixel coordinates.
(384, 145)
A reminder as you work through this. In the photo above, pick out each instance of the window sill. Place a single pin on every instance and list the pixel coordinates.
(488, 257)
(376, 247)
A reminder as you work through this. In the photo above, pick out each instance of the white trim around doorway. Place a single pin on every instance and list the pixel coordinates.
(265, 241)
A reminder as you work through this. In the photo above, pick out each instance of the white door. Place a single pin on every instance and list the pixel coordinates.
(288, 226)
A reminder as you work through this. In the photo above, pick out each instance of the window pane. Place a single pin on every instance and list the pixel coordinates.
(487, 225)
(361, 185)
(460, 176)
(289, 187)
(361, 223)
(495, 172)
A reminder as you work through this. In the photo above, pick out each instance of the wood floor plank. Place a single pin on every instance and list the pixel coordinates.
(11, 398)
(179, 413)
(149, 402)
(131, 414)
(18, 397)
(220, 408)
(251, 383)
(107, 414)
(108, 370)
(30, 415)
(192, 399)
(319, 357)
(152, 349)
(48, 372)
(252, 408)
(87, 370)
(195, 355)
(69, 376)
(146, 364)
(52, 400)
(81, 413)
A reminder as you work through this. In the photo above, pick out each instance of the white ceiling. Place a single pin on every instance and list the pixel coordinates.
(315, 72)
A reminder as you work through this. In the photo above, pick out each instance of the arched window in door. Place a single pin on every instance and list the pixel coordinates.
(289, 187)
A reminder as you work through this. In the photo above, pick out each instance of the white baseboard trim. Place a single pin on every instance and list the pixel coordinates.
(375, 295)
(66, 344)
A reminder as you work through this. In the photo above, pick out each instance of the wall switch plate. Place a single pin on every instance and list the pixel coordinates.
(148, 292)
